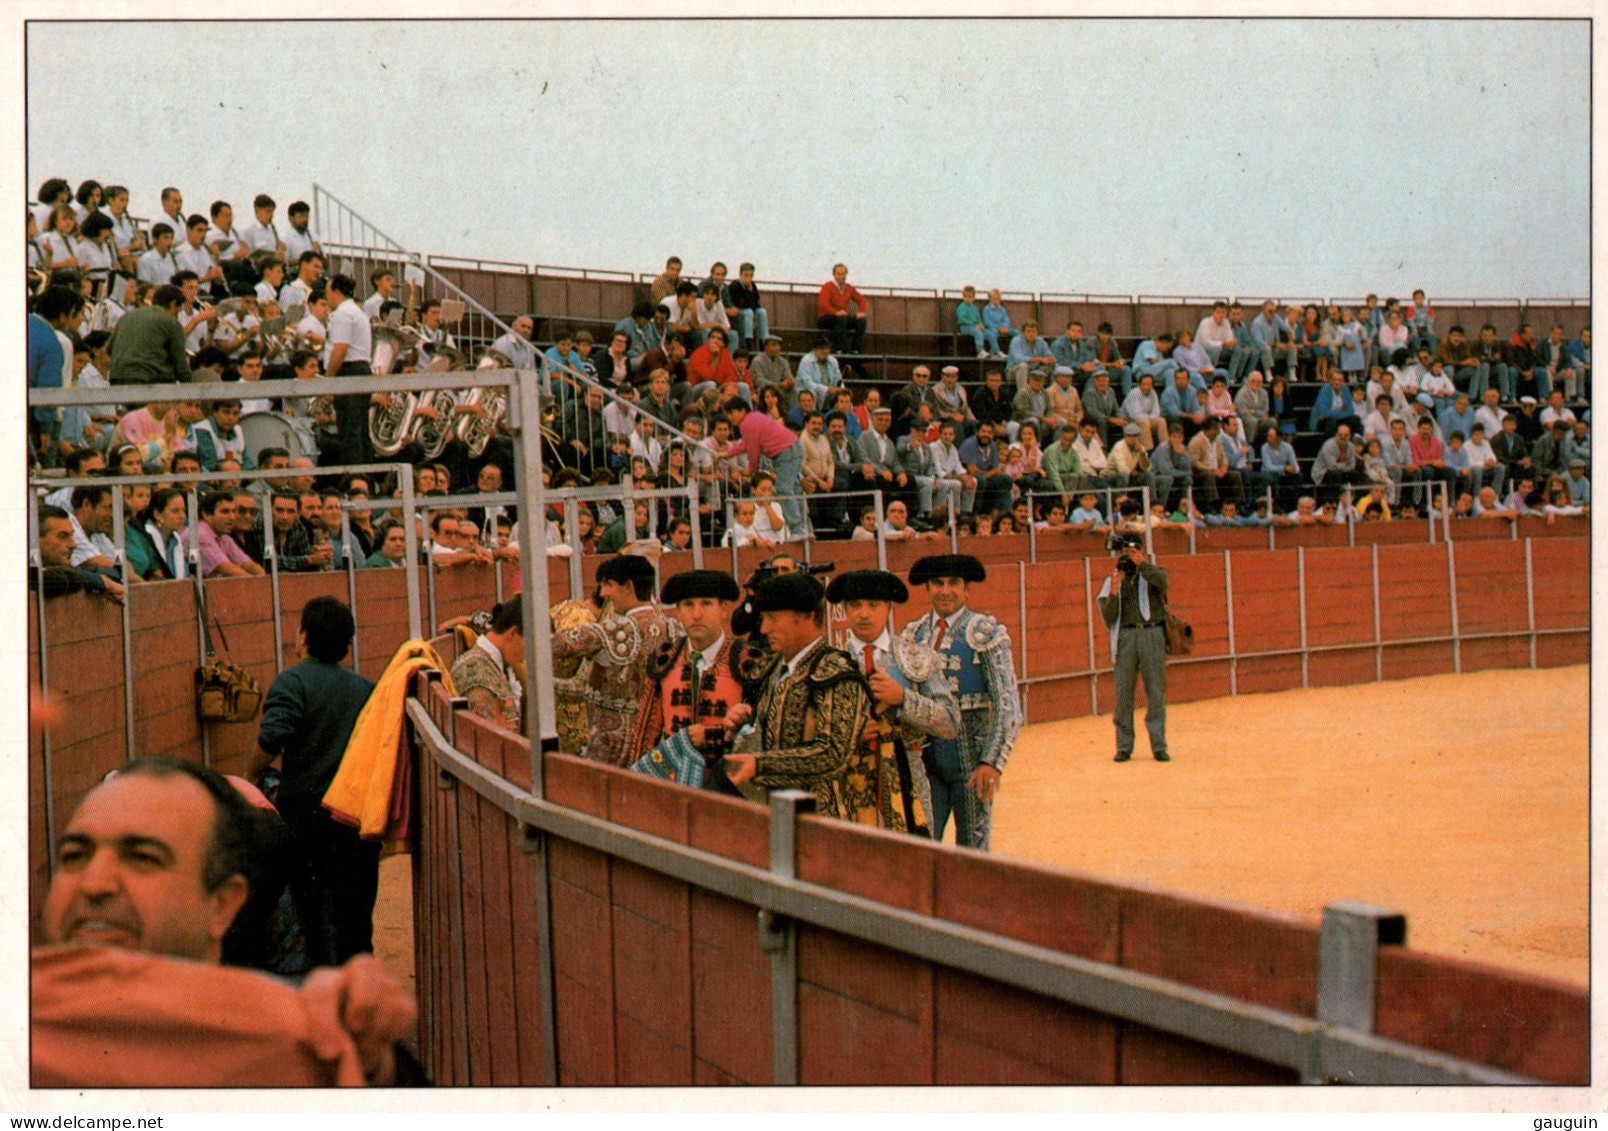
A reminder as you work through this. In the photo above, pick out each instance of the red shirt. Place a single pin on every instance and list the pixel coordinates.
(702, 366)
(835, 301)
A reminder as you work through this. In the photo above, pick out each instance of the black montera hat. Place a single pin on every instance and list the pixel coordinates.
(788, 592)
(625, 567)
(867, 585)
(963, 566)
(700, 583)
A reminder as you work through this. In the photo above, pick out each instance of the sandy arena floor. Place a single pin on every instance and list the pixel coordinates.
(1462, 801)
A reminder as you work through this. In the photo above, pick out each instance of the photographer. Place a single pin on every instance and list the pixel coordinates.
(1136, 614)
(744, 620)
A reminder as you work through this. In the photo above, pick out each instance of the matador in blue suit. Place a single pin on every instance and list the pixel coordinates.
(964, 772)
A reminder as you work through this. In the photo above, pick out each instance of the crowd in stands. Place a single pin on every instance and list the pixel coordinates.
(1062, 433)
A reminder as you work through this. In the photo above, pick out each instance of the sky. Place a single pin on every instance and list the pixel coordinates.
(1167, 157)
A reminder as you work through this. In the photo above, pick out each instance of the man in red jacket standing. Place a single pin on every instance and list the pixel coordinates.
(846, 325)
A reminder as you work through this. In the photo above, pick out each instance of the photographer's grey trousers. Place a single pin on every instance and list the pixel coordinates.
(1142, 651)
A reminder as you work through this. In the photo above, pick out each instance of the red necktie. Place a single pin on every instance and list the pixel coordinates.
(870, 656)
(938, 637)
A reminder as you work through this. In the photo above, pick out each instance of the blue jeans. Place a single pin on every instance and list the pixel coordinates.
(752, 326)
(1498, 370)
(789, 467)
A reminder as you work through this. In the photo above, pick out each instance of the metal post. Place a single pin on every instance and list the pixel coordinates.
(1429, 510)
(201, 607)
(1529, 597)
(1190, 510)
(882, 535)
(1348, 960)
(1300, 577)
(1023, 689)
(693, 517)
(1379, 641)
(1351, 513)
(626, 506)
(121, 538)
(1270, 525)
(954, 524)
(1446, 511)
(351, 580)
(430, 571)
(1228, 597)
(539, 713)
(271, 551)
(411, 535)
(1032, 532)
(731, 541)
(778, 936)
(572, 536)
(1451, 587)
(1144, 502)
(1088, 597)
(45, 762)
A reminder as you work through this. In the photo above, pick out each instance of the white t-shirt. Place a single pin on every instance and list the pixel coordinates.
(225, 241)
(764, 527)
(156, 268)
(124, 230)
(315, 331)
(1549, 414)
(265, 292)
(372, 304)
(197, 336)
(96, 258)
(261, 238)
(192, 258)
(297, 244)
(55, 245)
(347, 324)
(293, 293)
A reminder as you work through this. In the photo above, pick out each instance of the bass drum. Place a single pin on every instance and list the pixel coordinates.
(277, 430)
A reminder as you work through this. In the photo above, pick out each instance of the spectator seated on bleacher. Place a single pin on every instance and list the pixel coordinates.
(1180, 405)
(842, 311)
(750, 320)
(1029, 352)
(1580, 361)
(1525, 368)
(771, 370)
(1142, 406)
(711, 367)
(1108, 357)
(1193, 358)
(996, 324)
(969, 319)
(818, 370)
(665, 283)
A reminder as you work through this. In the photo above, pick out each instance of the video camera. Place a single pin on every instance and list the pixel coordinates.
(808, 569)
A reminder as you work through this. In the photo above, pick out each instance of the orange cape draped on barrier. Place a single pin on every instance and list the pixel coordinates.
(109, 1018)
(371, 790)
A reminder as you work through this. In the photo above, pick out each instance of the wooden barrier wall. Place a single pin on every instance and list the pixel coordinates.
(662, 983)
(659, 982)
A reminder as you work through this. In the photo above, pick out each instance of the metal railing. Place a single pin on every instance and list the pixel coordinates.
(523, 418)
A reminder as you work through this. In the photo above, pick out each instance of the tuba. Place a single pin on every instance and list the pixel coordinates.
(389, 427)
(432, 434)
(475, 430)
(495, 359)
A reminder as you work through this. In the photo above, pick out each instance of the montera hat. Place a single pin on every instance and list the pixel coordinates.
(963, 566)
(867, 585)
(625, 567)
(700, 583)
(788, 592)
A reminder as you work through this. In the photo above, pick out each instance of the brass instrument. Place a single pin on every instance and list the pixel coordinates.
(495, 359)
(432, 433)
(390, 427)
(474, 430)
